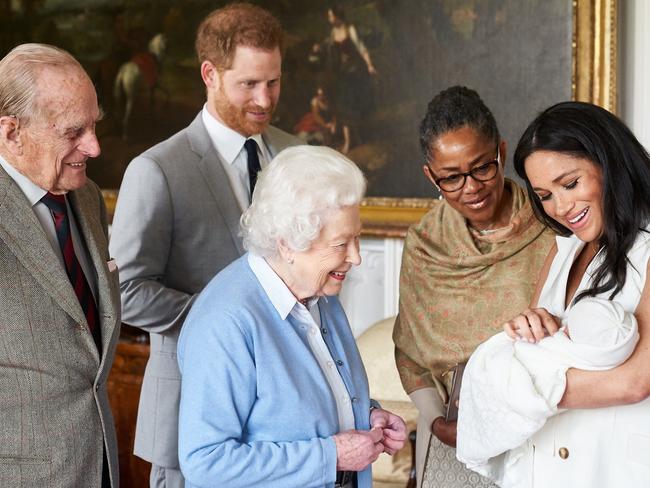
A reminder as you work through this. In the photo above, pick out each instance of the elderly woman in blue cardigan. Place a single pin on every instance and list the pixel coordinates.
(274, 393)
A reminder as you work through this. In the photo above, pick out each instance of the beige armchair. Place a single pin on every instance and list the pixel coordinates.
(377, 351)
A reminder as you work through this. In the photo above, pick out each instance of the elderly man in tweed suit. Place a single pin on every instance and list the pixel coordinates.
(59, 296)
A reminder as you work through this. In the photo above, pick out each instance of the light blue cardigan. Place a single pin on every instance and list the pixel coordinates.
(256, 409)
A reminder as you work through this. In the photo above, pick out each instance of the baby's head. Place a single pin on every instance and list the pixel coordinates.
(598, 322)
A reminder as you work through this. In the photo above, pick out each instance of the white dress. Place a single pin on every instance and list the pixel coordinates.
(591, 448)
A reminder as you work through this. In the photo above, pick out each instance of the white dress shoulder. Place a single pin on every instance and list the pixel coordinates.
(591, 448)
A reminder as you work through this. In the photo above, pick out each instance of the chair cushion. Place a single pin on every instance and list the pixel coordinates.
(377, 351)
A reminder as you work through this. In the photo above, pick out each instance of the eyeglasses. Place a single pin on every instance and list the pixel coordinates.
(484, 172)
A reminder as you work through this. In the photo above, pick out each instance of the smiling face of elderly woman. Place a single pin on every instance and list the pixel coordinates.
(321, 270)
(304, 219)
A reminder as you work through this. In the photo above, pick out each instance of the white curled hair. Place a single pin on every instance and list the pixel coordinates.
(293, 194)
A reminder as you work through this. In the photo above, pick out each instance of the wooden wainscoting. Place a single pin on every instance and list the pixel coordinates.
(124, 385)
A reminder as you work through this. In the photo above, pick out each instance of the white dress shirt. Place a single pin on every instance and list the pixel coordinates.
(34, 193)
(309, 317)
(230, 146)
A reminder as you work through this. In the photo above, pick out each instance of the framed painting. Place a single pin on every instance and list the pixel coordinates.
(520, 56)
(357, 75)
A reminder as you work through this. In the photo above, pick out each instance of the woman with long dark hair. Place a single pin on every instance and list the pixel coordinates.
(589, 180)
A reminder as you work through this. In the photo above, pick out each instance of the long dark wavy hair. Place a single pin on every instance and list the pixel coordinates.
(591, 132)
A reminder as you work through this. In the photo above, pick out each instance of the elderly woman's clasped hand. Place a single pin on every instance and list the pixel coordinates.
(393, 429)
(356, 449)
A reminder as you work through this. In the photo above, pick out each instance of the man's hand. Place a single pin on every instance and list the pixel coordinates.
(356, 449)
(445, 431)
(393, 427)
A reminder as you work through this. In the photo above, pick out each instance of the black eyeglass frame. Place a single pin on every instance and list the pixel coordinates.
(494, 162)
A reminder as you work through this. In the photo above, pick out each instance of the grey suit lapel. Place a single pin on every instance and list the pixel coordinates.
(216, 178)
(23, 234)
(277, 140)
(271, 145)
(93, 234)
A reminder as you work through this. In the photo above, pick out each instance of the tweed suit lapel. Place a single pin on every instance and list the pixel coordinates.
(95, 239)
(22, 233)
(216, 178)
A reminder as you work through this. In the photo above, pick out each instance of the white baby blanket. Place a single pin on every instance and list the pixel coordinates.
(510, 388)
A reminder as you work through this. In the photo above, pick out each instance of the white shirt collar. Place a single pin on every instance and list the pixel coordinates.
(228, 142)
(32, 191)
(281, 297)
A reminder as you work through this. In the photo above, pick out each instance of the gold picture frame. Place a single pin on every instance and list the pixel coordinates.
(594, 47)
(592, 78)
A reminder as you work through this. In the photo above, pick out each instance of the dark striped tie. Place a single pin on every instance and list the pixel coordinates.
(56, 204)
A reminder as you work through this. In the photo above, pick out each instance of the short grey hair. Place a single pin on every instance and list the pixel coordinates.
(19, 72)
(293, 195)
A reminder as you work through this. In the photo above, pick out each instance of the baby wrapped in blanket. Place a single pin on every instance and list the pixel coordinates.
(511, 387)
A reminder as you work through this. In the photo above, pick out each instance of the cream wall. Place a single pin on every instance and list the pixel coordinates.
(634, 67)
(371, 290)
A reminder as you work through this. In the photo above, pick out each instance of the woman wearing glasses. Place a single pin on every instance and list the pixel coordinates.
(469, 265)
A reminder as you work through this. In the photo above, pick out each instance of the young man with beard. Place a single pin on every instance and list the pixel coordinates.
(177, 219)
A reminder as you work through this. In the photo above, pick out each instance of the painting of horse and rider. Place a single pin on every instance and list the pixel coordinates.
(357, 74)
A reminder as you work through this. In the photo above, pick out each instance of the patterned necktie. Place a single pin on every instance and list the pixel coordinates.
(59, 211)
(253, 163)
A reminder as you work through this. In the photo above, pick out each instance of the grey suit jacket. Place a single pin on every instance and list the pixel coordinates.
(55, 419)
(176, 226)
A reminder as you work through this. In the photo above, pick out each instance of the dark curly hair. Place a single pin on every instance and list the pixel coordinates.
(587, 131)
(455, 108)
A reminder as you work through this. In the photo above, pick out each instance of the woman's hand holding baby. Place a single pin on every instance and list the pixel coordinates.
(532, 325)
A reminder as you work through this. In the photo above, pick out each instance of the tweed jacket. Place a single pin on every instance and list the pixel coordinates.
(55, 419)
